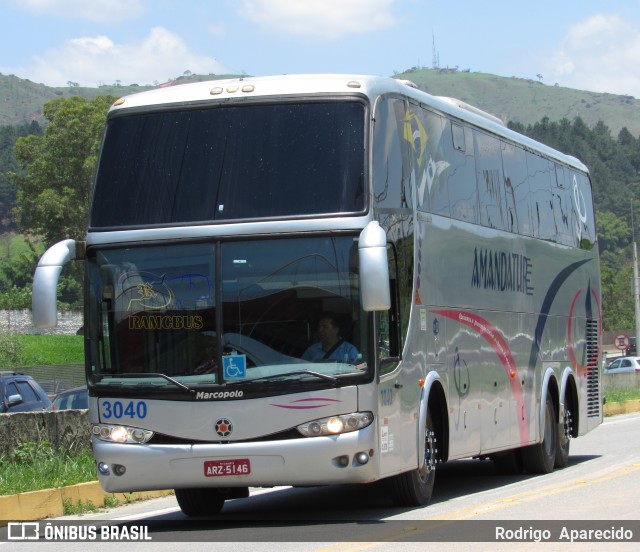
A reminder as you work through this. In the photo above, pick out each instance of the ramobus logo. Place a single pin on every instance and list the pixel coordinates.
(217, 395)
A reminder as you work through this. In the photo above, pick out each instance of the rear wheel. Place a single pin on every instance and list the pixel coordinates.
(414, 488)
(541, 458)
(565, 430)
(200, 502)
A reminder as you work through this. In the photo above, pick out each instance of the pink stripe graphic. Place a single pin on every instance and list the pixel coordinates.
(324, 400)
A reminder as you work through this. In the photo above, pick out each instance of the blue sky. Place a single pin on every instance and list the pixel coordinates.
(586, 44)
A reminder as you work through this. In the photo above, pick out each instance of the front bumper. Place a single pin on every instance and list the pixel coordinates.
(305, 461)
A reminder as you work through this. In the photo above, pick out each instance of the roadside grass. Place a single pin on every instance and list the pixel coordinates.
(80, 507)
(622, 395)
(52, 349)
(41, 350)
(36, 466)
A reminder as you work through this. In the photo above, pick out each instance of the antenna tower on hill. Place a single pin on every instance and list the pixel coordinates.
(436, 56)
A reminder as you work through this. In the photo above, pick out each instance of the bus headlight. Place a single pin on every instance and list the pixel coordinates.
(121, 434)
(334, 425)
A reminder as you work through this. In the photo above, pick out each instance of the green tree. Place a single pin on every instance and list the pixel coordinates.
(614, 235)
(8, 164)
(617, 297)
(54, 182)
(616, 270)
(16, 271)
(58, 168)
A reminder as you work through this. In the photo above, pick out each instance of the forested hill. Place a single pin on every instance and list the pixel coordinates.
(512, 99)
(22, 100)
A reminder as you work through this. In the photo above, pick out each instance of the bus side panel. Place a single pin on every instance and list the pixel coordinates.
(508, 305)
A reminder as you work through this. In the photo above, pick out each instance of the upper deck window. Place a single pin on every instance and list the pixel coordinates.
(232, 162)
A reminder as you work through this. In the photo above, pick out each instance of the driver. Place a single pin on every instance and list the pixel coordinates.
(330, 345)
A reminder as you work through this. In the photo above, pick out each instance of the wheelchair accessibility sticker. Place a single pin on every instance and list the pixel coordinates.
(235, 366)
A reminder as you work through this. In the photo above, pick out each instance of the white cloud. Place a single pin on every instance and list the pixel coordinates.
(103, 11)
(600, 54)
(320, 19)
(91, 60)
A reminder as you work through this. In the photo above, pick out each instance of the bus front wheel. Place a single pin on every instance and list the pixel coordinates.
(414, 488)
(200, 502)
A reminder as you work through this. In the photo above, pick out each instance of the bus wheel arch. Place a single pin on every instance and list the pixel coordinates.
(437, 406)
(433, 405)
(415, 487)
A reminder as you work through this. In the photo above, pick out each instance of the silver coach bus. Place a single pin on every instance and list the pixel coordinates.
(310, 280)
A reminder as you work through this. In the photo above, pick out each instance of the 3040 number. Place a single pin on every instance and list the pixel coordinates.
(118, 409)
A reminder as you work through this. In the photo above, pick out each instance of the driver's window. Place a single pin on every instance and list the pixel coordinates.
(389, 321)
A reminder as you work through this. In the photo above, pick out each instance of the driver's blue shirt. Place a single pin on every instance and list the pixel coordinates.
(345, 352)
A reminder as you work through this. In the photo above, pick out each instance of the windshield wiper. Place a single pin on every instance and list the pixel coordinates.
(276, 377)
(152, 375)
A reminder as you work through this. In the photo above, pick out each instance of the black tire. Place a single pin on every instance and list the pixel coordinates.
(200, 502)
(564, 432)
(415, 487)
(541, 458)
(509, 463)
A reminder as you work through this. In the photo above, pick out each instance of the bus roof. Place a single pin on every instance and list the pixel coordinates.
(245, 88)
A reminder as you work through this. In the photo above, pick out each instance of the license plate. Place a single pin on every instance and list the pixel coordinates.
(236, 466)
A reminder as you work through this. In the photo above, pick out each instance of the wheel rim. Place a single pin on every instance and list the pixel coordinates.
(567, 429)
(430, 459)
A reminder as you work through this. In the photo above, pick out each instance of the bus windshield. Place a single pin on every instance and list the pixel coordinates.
(225, 312)
(202, 165)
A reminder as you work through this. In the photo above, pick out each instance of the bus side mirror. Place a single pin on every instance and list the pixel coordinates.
(44, 300)
(374, 268)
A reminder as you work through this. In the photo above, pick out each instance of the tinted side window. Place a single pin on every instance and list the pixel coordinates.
(583, 210)
(27, 392)
(563, 210)
(489, 179)
(389, 331)
(10, 389)
(461, 175)
(540, 172)
(516, 189)
(432, 162)
(64, 402)
(391, 164)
